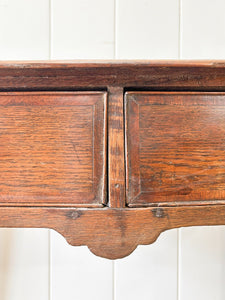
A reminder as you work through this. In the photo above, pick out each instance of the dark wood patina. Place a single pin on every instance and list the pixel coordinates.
(110, 154)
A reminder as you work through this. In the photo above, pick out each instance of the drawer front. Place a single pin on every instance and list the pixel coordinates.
(52, 148)
(175, 148)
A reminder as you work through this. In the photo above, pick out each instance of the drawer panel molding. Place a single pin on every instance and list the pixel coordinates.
(52, 148)
(175, 148)
(112, 153)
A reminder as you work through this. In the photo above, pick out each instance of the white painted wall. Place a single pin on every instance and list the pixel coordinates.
(183, 264)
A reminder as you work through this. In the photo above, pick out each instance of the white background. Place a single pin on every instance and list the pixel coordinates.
(183, 264)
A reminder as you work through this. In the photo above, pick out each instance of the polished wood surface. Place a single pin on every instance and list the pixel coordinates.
(116, 170)
(76, 75)
(112, 232)
(52, 148)
(159, 144)
(175, 148)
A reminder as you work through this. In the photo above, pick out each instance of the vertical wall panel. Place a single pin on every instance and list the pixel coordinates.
(147, 29)
(202, 249)
(82, 29)
(24, 256)
(78, 274)
(24, 29)
(144, 30)
(202, 264)
(203, 29)
(150, 272)
(24, 264)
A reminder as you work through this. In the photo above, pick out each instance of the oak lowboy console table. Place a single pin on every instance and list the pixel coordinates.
(110, 154)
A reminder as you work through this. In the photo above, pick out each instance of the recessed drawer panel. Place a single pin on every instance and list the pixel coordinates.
(175, 145)
(52, 148)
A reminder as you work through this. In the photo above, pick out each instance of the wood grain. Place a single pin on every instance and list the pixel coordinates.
(200, 75)
(111, 233)
(52, 148)
(175, 148)
(55, 154)
(116, 164)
